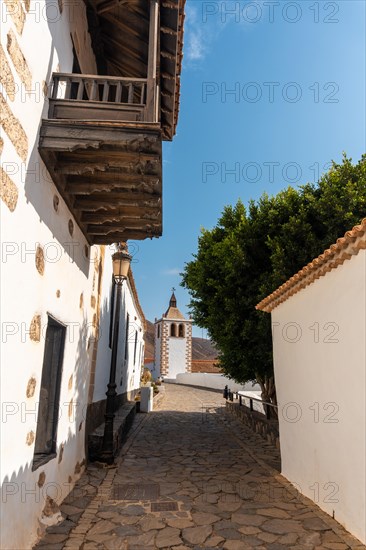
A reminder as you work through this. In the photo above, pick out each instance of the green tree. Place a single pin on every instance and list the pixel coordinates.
(250, 252)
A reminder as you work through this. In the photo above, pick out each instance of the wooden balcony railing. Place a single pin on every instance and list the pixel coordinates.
(99, 88)
(93, 97)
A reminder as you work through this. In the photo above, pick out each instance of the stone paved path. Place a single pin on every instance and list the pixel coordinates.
(215, 489)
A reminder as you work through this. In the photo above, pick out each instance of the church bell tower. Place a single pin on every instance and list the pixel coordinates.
(173, 342)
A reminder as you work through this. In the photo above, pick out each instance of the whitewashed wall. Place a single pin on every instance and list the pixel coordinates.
(176, 355)
(319, 358)
(128, 373)
(214, 381)
(67, 289)
(25, 294)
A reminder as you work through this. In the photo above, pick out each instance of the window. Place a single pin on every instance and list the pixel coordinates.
(140, 351)
(173, 330)
(49, 399)
(126, 337)
(158, 331)
(135, 349)
(181, 330)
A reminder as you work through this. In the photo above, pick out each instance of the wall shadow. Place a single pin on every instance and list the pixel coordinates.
(25, 492)
(39, 187)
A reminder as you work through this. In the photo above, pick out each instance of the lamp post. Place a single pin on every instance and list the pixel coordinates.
(121, 264)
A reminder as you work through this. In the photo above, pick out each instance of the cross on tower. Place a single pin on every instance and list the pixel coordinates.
(173, 289)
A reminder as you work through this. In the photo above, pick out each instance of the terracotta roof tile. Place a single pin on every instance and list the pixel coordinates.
(209, 366)
(173, 313)
(345, 247)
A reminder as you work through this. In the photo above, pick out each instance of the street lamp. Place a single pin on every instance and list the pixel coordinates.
(121, 264)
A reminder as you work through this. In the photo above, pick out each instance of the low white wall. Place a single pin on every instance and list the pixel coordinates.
(319, 359)
(214, 381)
(257, 406)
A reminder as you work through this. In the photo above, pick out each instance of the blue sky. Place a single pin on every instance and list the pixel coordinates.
(296, 73)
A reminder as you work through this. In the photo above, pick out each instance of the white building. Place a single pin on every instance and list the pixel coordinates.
(319, 347)
(131, 346)
(173, 343)
(82, 127)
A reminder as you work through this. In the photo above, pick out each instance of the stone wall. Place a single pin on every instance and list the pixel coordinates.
(268, 429)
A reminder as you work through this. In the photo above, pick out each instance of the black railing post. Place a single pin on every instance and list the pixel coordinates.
(267, 412)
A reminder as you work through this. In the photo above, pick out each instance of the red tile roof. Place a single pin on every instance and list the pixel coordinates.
(173, 313)
(345, 247)
(209, 365)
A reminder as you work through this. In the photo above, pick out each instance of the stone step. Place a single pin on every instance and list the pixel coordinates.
(123, 420)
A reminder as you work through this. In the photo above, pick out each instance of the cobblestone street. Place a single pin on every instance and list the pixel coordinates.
(189, 476)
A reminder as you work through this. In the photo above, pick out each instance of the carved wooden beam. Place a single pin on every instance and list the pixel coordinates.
(123, 199)
(168, 55)
(113, 178)
(107, 187)
(107, 154)
(130, 234)
(168, 30)
(85, 168)
(173, 4)
(123, 226)
(166, 93)
(127, 213)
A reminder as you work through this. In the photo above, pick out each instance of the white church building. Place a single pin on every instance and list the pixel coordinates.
(173, 343)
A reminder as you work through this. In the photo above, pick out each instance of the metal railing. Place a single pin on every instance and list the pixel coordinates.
(107, 89)
(266, 405)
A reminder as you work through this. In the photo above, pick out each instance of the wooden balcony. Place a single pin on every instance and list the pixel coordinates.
(102, 145)
(102, 140)
(88, 97)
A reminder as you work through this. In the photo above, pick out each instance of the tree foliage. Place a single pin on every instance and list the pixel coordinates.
(253, 250)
